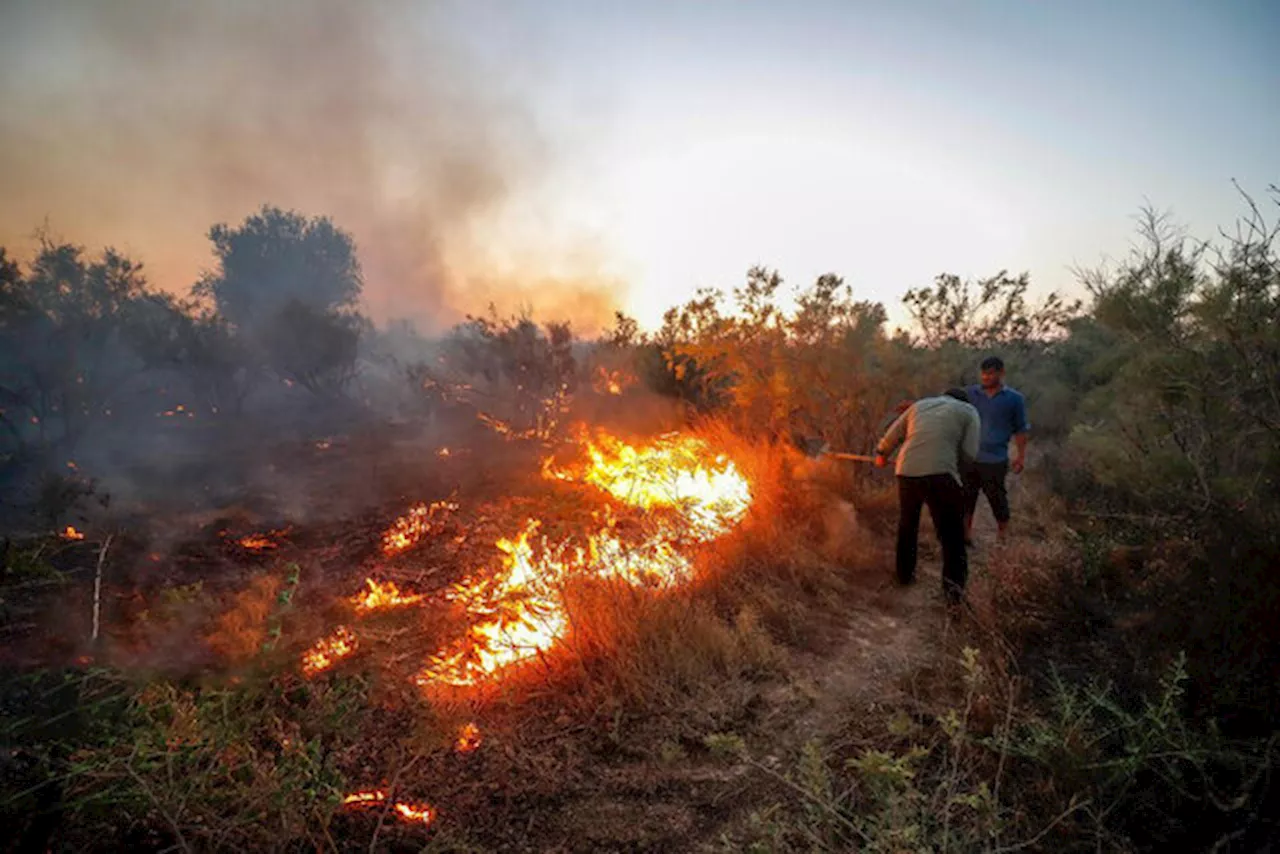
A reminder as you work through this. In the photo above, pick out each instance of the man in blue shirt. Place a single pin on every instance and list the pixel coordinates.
(1004, 416)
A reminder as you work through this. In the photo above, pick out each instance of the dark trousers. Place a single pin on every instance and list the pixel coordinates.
(987, 479)
(945, 499)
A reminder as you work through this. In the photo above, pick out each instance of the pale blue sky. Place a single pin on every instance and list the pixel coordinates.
(890, 142)
(654, 146)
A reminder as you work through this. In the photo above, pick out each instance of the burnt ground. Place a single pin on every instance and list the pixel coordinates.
(547, 777)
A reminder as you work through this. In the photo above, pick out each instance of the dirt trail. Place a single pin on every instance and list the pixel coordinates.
(891, 636)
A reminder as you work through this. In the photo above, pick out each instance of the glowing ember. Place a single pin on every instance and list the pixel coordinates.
(443, 452)
(256, 542)
(468, 738)
(410, 528)
(72, 534)
(610, 382)
(329, 651)
(360, 799)
(419, 813)
(385, 595)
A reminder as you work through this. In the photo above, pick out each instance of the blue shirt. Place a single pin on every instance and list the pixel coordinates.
(1003, 414)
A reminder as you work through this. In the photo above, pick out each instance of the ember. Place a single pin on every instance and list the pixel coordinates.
(468, 738)
(256, 542)
(385, 595)
(72, 534)
(420, 813)
(329, 651)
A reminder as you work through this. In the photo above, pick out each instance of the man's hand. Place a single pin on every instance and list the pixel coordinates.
(881, 462)
(1018, 464)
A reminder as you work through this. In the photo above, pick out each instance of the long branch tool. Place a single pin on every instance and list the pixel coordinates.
(817, 448)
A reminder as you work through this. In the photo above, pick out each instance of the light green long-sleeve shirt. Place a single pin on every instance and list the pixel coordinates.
(936, 433)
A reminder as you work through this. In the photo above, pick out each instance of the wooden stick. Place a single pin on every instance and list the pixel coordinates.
(860, 458)
(97, 587)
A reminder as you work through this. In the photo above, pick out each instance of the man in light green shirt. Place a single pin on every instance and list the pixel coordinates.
(937, 434)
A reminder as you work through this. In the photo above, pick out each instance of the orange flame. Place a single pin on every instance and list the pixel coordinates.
(72, 534)
(468, 738)
(678, 472)
(524, 618)
(384, 595)
(419, 813)
(257, 542)
(329, 651)
(519, 610)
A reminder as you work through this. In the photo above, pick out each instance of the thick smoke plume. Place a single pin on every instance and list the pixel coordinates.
(140, 123)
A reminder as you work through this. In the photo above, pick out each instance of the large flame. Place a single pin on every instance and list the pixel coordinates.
(521, 616)
(675, 471)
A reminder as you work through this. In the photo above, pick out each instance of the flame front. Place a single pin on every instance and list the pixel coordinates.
(522, 617)
(689, 495)
(675, 471)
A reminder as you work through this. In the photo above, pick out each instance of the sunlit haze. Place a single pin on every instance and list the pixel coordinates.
(577, 157)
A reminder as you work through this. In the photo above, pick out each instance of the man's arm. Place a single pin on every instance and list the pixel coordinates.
(892, 438)
(1021, 432)
(969, 439)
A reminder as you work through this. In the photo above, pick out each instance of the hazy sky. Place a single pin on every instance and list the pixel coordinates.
(604, 151)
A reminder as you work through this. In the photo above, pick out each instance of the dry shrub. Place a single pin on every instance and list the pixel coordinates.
(646, 652)
(239, 633)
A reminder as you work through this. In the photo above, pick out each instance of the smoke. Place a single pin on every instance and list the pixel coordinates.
(140, 123)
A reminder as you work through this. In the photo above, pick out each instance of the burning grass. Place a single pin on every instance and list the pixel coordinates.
(680, 493)
(590, 601)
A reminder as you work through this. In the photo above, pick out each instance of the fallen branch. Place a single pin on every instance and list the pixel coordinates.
(97, 588)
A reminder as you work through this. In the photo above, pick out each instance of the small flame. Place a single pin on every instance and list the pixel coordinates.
(385, 595)
(329, 651)
(443, 452)
(468, 738)
(410, 528)
(419, 813)
(257, 542)
(72, 534)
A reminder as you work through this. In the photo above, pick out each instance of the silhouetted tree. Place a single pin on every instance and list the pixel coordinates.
(65, 343)
(288, 287)
(275, 258)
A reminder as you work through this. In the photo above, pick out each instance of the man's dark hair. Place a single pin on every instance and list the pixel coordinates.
(958, 393)
(993, 363)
